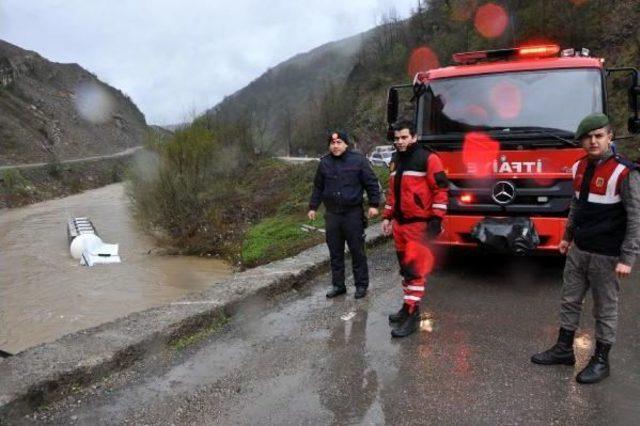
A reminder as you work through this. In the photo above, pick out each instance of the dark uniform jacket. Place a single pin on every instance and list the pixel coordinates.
(340, 182)
(605, 212)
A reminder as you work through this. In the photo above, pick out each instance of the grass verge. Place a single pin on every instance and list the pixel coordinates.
(278, 237)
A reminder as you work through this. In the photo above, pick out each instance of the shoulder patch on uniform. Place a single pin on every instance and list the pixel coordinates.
(626, 162)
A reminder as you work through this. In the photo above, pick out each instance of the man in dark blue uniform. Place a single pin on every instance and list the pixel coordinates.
(340, 180)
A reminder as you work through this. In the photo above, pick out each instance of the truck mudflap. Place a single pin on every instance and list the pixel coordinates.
(514, 235)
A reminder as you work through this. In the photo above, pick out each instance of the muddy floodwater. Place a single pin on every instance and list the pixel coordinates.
(44, 293)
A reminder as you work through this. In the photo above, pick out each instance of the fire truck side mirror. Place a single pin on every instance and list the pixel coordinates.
(634, 97)
(392, 106)
(633, 125)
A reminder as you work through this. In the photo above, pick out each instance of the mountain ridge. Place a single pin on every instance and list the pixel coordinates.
(59, 111)
(272, 100)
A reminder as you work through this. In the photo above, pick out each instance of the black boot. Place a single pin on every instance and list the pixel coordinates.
(560, 353)
(409, 325)
(336, 291)
(598, 367)
(399, 316)
(360, 292)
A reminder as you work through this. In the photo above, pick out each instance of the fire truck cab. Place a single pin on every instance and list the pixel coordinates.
(503, 123)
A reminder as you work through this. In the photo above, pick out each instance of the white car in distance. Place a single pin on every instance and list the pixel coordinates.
(381, 155)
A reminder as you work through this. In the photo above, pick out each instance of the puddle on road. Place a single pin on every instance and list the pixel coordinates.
(44, 293)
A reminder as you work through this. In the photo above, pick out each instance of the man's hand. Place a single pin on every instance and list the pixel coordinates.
(311, 215)
(372, 212)
(622, 270)
(563, 247)
(387, 227)
(434, 227)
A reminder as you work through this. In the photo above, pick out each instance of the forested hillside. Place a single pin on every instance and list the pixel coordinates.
(269, 106)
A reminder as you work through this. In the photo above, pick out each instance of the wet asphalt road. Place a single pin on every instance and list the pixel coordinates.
(299, 359)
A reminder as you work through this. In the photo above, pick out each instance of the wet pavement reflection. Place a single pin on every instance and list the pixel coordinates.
(302, 359)
(44, 293)
(349, 371)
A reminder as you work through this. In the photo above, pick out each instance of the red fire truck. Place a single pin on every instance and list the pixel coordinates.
(503, 122)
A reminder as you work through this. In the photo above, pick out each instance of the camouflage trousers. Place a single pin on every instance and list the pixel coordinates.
(583, 271)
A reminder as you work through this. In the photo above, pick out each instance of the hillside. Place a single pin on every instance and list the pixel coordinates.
(52, 111)
(295, 103)
(272, 103)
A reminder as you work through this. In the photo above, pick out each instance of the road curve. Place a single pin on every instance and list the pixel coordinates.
(124, 153)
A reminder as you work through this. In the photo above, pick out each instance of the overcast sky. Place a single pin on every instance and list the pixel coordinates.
(174, 58)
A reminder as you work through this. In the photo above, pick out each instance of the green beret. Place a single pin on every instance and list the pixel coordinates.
(591, 122)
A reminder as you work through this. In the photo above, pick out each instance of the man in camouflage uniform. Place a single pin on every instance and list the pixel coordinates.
(601, 240)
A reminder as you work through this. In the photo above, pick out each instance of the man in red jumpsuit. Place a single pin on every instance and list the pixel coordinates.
(416, 203)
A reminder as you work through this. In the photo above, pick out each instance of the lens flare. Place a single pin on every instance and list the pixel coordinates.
(475, 114)
(426, 325)
(545, 183)
(422, 59)
(506, 99)
(491, 20)
(478, 152)
(419, 258)
(584, 342)
(94, 103)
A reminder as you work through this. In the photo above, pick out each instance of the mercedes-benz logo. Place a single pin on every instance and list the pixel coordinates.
(503, 192)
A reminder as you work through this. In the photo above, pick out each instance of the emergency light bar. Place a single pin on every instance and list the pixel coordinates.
(544, 51)
(539, 51)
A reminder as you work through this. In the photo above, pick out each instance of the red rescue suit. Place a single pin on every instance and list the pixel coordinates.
(417, 192)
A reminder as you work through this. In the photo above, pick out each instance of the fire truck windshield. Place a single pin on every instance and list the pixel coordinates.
(553, 101)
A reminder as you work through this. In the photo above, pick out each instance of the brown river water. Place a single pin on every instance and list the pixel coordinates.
(45, 293)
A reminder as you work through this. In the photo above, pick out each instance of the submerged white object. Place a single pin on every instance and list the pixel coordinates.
(86, 246)
(100, 253)
(80, 243)
(78, 226)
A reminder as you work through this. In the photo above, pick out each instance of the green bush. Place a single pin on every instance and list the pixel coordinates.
(54, 168)
(176, 185)
(14, 183)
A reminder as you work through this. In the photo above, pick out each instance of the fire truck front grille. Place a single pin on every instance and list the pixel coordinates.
(537, 197)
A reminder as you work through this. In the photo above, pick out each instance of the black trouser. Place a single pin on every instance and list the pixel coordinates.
(347, 226)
